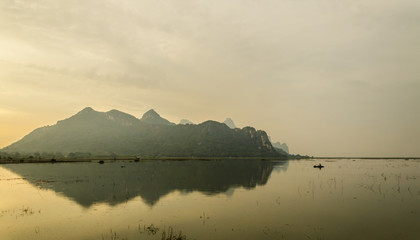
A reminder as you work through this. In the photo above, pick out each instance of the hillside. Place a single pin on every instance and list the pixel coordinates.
(118, 133)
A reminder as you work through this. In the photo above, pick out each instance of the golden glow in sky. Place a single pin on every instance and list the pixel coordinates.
(329, 78)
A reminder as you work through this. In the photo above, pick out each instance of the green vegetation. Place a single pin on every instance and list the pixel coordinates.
(90, 134)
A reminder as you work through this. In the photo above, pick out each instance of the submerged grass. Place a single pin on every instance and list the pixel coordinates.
(113, 236)
(151, 231)
(170, 235)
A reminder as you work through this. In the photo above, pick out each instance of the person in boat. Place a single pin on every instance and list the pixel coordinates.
(318, 166)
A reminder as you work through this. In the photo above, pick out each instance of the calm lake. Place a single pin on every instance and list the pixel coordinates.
(230, 199)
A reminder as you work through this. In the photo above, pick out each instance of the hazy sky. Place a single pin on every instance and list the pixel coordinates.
(328, 77)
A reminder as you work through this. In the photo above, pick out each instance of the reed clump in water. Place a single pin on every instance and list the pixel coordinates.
(170, 235)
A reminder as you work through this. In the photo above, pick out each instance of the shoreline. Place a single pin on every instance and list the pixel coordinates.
(134, 159)
(370, 158)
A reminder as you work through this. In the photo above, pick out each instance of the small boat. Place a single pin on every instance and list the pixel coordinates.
(318, 166)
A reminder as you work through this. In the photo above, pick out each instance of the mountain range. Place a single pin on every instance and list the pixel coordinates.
(185, 121)
(229, 122)
(118, 133)
(282, 146)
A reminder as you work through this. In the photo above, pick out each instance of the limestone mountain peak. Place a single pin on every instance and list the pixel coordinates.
(153, 117)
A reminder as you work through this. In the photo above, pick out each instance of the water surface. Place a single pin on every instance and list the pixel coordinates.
(237, 199)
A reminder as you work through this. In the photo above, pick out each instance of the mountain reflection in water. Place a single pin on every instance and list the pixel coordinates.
(117, 182)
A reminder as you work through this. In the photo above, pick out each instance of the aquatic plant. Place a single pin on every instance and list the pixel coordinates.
(152, 229)
(171, 236)
(113, 236)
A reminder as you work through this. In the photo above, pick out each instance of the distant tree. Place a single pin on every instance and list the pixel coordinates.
(16, 155)
(75, 155)
(58, 155)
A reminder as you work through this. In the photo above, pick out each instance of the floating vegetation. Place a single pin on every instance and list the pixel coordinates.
(27, 211)
(152, 229)
(204, 218)
(12, 179)
(169, 234)
(21, 212)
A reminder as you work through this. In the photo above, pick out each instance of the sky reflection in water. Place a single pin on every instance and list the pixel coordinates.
(348, 199)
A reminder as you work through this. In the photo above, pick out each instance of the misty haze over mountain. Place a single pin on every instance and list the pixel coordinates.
(229, 122)
(185, 121)
(118, 133)
(282, 146)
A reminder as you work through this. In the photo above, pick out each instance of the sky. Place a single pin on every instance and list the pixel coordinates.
(328, 77)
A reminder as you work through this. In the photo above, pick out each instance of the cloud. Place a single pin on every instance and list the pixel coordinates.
(348, 64)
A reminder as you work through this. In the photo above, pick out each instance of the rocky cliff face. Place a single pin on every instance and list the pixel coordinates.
(259, 137)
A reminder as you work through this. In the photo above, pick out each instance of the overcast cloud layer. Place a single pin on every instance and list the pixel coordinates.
(329, 78)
